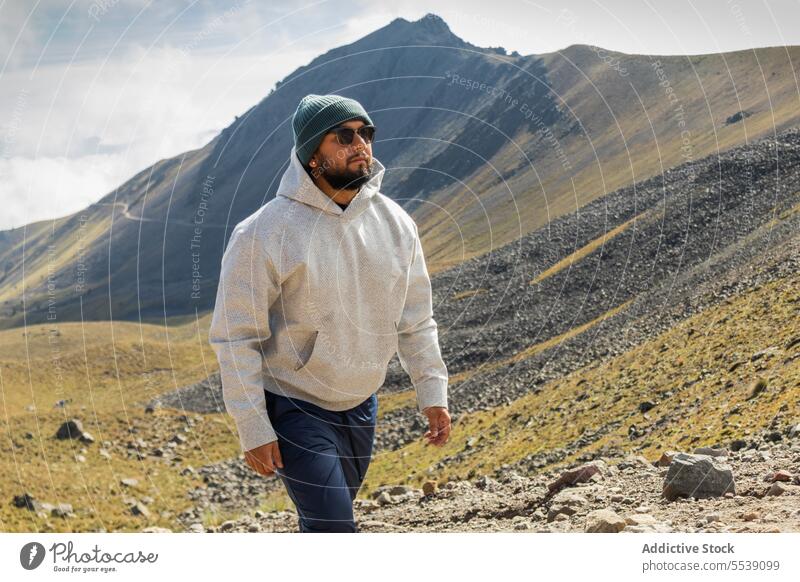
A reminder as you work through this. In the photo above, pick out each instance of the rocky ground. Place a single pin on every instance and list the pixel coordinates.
(623, 494)
(704, 232)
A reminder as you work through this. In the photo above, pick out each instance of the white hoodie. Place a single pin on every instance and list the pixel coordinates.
(313, 302)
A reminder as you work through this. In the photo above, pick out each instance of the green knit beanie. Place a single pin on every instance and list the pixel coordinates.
(316, 114)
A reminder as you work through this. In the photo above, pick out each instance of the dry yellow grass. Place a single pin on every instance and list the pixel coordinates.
(110, 370)
(585, 250)
(709, 405)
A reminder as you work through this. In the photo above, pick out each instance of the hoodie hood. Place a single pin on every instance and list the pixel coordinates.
(298, 185)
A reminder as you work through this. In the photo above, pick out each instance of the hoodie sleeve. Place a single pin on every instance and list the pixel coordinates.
(417, 337)
(248, 286)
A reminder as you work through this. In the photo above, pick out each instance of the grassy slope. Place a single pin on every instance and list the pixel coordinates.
(106, 371)
(628, 130)
(710, 405)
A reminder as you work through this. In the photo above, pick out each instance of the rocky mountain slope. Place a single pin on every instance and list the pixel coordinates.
(482, 146)
(595, 284)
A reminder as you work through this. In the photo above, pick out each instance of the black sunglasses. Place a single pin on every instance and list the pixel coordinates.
(346, 135)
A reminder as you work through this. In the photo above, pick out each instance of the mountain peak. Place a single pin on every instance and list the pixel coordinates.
(430, 29)
(433, 23)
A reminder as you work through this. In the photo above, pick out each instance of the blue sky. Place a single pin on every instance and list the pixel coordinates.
(93, 91)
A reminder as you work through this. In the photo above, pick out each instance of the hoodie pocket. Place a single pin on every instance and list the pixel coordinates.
(304, 356)
(348, 368)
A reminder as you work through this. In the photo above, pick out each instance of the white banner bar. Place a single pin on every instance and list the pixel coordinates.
(400, 556)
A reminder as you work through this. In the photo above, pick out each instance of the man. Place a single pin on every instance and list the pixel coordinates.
(318, 290)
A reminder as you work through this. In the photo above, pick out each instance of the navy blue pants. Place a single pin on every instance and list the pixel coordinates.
(325, 456)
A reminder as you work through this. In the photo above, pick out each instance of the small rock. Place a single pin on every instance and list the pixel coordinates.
(757, 387)
(399, 490)
(645, 523)
(61, 510)
(712, 517)
(486, 483)
(738, 445)
(140, 509)
(772, 350)
(578, 475)
(71, 429)
(27, 501)
(604, 521)
(776, 489)
(645, 406)
(178, 438)
(429, 488)
(666, 458)
(566, 503)
(778, 476)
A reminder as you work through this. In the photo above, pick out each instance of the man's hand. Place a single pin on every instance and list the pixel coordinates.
(265, 458)
(439, 421)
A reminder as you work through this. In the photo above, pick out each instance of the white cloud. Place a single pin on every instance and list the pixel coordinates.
(46, 188)
(73, 136)
(74, 132)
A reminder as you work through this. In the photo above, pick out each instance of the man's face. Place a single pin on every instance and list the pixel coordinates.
(344, 167)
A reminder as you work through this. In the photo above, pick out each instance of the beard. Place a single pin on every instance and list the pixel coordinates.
(347, 179)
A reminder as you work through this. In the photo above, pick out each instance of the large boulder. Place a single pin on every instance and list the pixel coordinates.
(698, 476)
